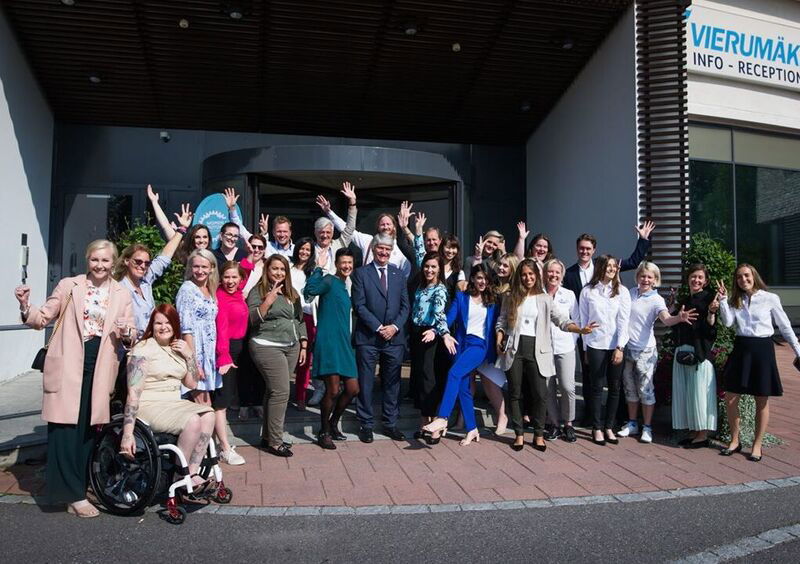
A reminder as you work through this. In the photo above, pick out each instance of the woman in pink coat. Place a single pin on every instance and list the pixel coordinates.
(80, 368)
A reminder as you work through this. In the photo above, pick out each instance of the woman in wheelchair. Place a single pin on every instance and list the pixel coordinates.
(157, 366)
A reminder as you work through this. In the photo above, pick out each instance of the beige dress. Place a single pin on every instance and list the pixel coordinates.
(161, 405)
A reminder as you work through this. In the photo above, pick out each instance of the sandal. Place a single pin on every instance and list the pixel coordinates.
(83, 509)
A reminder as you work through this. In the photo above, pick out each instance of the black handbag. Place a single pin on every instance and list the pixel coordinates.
(687, 358)
(38, 361)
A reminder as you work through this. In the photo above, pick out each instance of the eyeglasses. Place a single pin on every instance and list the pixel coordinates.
(233, 236)
(140, 262)
(257, 247)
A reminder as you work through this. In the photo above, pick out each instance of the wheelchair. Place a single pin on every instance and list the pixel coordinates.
(125, 487)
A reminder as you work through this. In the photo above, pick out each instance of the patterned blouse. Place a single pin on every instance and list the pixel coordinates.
(94, 310)
(198, 315)
(428, 308)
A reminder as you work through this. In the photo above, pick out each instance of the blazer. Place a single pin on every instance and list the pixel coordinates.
(572, 277)
(458, 319)
(374, 307)
(63, 366)
(544, 342)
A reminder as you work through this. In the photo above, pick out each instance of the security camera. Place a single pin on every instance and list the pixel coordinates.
(165, 136)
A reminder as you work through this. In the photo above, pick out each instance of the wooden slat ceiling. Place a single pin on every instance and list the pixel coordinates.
(316, 67)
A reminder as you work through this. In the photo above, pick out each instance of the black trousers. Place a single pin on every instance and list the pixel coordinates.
(228, 394)
(586, 381)
(428, 383)
(601, 372)
(524, 375)
(249, 383)
(69, 447)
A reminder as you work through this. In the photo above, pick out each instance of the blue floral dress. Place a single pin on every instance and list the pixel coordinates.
(198, 315)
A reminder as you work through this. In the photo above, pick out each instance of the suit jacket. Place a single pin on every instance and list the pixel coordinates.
(63, 366)
(458, 320)
(572, 277)
(544, 343)
(374, 307)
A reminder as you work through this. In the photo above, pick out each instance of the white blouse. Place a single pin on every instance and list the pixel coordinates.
(645, 309)
(566, 304)
(299, 283)
(528, 312)
(755, 317)
(476, 324)
(611, 313)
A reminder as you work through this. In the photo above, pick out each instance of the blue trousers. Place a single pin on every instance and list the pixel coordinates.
(466, 361)
(390, 358)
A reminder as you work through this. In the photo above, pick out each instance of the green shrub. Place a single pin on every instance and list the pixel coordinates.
(166, 287)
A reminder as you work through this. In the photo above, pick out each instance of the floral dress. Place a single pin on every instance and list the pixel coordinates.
(198, 315)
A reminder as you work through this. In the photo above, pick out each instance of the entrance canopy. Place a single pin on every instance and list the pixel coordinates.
(470, 71)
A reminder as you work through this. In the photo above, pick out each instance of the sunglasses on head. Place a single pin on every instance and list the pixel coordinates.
(140, 262)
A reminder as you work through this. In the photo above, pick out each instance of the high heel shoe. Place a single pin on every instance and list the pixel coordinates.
(518, 447)
(731, 451)
(601, 441)
(754, 458)
(438, 424)
(471, 436)
(540, 448)
(611, 439)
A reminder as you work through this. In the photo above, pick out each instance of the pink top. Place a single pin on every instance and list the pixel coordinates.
(231, 318)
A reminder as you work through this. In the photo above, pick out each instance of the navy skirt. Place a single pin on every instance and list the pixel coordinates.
(752, 369)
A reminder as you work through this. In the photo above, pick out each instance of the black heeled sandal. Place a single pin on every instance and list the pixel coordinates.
(730, 451)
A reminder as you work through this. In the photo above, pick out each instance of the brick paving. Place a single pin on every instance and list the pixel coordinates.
(411, 473)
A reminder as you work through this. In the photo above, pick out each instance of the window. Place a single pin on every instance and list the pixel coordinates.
(711, 201)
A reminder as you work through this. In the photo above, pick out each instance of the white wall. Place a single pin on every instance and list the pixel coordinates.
(581, 161)
(731, 101)
(26, 155)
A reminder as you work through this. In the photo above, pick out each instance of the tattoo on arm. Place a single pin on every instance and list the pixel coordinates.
(200, 449)
(191, 365)
(135, 388)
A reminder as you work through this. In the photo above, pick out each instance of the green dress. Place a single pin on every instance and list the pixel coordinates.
(333, 349)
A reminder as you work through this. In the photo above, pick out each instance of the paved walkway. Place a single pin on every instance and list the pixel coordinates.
(409, 473)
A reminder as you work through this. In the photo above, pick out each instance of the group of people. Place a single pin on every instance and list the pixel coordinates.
(521, 322)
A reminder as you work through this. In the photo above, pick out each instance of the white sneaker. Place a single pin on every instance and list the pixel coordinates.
(232, 457)
(647, 435)
(629, 430)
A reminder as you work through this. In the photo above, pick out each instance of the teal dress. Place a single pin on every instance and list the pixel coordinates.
(333, 348)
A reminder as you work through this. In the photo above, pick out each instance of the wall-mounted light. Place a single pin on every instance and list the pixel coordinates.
(410, 29)
(183, 23)
(456, 47)
(68, 2)
(95, 78)
(525, 106)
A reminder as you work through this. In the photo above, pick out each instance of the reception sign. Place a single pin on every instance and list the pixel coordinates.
(213, 213)
(736, 47)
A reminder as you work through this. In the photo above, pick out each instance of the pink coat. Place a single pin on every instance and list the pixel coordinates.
(63, 368)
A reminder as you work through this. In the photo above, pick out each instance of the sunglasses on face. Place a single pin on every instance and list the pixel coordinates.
(258, 247)
(140, 262)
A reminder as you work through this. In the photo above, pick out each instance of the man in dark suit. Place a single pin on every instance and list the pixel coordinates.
(580, 273)
(381, 306)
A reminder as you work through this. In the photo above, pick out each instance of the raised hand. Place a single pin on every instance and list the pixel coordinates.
(230, 197)
(645, 229)
(403, 215)
(722, 291)
(23, 295)
(688, 315)
(349, 192)
(263, 223)
(324, 204)
(523, 230)
(420, 223)
(713, 307)
(479, 247)
(185, 217)
(152, 196)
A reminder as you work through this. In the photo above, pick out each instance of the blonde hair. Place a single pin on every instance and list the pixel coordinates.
(649, 267)
(213, 275)
(120, 268)
(513, 261)
(548, 263)
(99, 244)
(264, 284)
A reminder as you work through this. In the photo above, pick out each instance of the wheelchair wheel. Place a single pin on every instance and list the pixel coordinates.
(223, 494)
(124, 486)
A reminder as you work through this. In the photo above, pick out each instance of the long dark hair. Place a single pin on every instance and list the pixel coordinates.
(519, 292)
(458, 260)
(309, 266)
(168, 311)
(489, 295)
(600, 272)
(530, 253)
(419, 282)
(264, 284)
(187, 244)
(737, 294)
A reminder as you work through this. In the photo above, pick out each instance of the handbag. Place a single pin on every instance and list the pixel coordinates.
(38, 361)
(687, 358)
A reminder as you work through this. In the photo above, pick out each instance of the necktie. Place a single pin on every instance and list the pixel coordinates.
(384, 284)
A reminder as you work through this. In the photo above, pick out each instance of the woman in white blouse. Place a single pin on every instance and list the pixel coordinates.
(752, 368)
(607, 302)
(524, 347)
(303, 263)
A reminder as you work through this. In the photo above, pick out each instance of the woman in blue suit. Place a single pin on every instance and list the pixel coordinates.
(472, 315)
